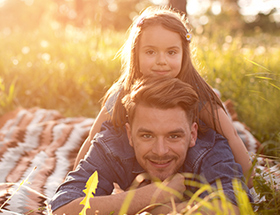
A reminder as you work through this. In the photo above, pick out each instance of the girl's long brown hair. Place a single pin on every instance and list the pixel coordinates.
(173, 21)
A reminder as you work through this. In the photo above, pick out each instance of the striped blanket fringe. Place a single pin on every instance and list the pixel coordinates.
(41, 139)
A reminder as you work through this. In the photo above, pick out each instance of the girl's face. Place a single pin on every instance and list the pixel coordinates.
(160, 52)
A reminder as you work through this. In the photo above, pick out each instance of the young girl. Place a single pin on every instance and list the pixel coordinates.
(159, 44)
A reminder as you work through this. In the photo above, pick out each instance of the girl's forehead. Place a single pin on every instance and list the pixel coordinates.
(158, 31)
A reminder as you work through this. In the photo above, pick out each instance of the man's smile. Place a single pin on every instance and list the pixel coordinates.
(160, 163)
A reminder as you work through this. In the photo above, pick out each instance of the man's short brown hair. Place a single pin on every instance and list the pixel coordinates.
(162, 93)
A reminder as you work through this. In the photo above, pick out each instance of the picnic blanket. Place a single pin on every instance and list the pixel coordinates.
(39, 147)
(41, 139)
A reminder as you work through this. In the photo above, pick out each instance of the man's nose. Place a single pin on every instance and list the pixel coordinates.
(160, 147)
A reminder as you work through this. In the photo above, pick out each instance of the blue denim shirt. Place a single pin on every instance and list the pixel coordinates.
(114, 159)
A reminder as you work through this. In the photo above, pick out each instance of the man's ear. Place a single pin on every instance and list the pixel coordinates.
(194, 128)
(128, 131)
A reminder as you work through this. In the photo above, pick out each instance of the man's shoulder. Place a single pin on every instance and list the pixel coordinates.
(114, 141)
(208, 142)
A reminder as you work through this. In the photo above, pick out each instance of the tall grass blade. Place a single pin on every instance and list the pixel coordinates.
(242, 199)
(20, 185)
(127, 202)
(278, 88)
(90, 189)
(257, 64)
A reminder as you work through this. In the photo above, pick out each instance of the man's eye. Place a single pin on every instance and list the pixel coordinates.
(174, 136)
(146, 136)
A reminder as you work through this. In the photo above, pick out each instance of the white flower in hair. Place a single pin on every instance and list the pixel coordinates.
(188, 37)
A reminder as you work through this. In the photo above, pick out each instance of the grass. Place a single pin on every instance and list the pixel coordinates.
(245, 70)
(68, 70)
(195, 205)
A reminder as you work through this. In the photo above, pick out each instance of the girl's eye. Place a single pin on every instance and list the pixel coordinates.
(172, 52)
(150, 52)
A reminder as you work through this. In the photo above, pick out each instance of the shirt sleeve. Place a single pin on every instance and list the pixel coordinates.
(101, 158)
(219, 164)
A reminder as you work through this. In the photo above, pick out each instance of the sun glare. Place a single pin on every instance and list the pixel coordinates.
(256, 6)
(195, 7)
(2, 3)
(253, 7)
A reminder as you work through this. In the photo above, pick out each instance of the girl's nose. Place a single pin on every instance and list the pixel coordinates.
(161, 60)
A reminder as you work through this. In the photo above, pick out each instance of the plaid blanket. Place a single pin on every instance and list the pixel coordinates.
(45, 140)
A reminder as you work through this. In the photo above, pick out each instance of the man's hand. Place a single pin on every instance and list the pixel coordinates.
(177, 184)
(171, 188)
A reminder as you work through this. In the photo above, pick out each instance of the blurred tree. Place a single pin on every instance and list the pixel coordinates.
(179, 4)
(79, 7)
(231, 14)
(25, 15)
(229, 18)
(263, 22)
(116, 14)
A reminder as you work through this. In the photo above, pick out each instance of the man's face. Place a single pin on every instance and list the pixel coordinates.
(160, 139)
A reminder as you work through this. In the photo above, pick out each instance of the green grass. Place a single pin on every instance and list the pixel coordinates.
(68, 70)
(245, 70)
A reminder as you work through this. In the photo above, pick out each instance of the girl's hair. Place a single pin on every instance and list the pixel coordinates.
(175, 22)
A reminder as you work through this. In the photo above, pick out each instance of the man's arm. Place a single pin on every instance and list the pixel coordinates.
(137, 199)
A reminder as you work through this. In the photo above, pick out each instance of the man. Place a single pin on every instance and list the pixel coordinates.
(162, 143)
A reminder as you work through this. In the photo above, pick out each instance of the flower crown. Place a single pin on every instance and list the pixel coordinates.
(140, 22)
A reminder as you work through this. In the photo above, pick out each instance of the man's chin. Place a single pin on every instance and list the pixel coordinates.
(159, 176)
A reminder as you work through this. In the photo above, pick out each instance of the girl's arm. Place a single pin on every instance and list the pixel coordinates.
(102, 117)
(225, 127)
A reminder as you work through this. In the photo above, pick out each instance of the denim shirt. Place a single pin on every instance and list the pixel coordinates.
(114, 159)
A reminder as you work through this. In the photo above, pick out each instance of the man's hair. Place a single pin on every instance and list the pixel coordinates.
(162, 93)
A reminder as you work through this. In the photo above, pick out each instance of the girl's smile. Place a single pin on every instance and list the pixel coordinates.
(160, 51)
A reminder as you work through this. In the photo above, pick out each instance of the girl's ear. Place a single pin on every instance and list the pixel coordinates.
(128, 131)
(194, 128)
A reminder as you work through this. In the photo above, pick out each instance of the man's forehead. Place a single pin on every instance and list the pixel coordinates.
(175, 130)
(143, 108)
(149, 118)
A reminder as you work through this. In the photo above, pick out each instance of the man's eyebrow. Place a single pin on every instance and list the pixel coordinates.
(144, 130)
(179, 130)
(176, 131)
